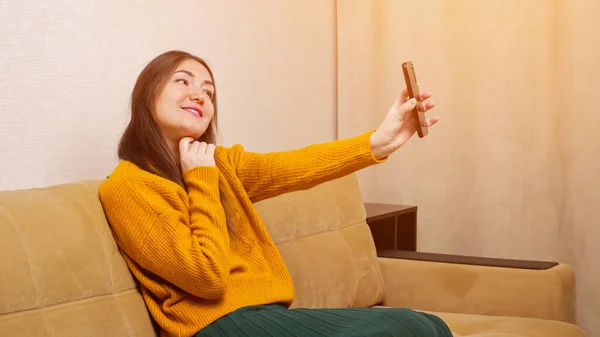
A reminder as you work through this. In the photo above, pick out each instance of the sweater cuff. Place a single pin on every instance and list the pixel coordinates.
(207, 174)
(366, 141)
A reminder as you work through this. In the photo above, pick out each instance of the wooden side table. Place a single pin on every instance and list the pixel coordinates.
(394, 227)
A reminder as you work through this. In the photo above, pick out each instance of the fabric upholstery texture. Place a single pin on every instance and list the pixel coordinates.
(468, 325)
(326, 244)
(501, 326)
(61, 273)
(547, 294)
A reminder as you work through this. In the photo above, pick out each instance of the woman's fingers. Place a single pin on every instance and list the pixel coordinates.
(202, 147)
(194, 147)
(210, 149)
(184, 144)
(404, 96)
(431, 121)
(425, 95)
(426, 106)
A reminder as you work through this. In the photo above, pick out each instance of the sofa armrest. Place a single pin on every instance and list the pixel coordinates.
(461, 284)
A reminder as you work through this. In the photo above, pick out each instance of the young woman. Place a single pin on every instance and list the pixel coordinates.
(181, 211)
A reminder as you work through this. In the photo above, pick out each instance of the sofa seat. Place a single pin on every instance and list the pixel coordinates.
(464, 325)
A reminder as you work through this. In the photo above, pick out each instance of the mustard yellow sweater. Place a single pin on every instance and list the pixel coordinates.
(176, 243)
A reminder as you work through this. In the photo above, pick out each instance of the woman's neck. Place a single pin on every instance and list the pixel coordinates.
(174, 148)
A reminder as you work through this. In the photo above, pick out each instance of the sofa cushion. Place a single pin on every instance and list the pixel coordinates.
(61, 273)
(326, 244)
(499, 326)
(476, 325)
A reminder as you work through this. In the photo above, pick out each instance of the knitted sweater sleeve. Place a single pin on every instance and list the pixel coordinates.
(267, 175)
(185, 244)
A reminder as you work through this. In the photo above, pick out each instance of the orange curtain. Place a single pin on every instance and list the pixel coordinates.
(512, 169)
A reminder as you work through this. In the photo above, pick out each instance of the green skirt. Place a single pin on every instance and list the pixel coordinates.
(279, 321)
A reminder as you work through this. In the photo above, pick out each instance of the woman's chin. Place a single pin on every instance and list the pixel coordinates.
(196, 134)
(193, 131)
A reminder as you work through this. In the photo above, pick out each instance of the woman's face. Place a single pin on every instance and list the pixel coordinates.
(184, 108)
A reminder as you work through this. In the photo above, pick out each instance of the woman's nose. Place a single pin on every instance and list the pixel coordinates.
(198, 97)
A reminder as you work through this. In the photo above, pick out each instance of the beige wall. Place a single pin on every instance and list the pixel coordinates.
(577, 73)
(69, 66)
(492, 149)
(511, 169)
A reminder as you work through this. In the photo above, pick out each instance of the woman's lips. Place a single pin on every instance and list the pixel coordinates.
(193, 110)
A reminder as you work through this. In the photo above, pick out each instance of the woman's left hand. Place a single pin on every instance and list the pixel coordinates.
(398, 125)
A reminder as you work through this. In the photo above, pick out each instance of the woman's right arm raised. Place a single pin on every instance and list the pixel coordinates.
(187, 246)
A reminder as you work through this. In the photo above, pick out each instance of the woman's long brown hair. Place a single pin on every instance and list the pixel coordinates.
(142, 142)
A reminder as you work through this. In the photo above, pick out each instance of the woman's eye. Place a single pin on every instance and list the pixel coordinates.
(182, 80)
(209, 93)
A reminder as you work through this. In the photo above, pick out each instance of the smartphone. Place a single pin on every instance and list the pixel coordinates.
(413, 91)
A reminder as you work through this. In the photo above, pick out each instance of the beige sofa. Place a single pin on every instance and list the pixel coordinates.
(61, 273)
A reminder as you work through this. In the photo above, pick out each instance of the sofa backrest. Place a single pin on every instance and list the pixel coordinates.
(61, 273)
(326, 244)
